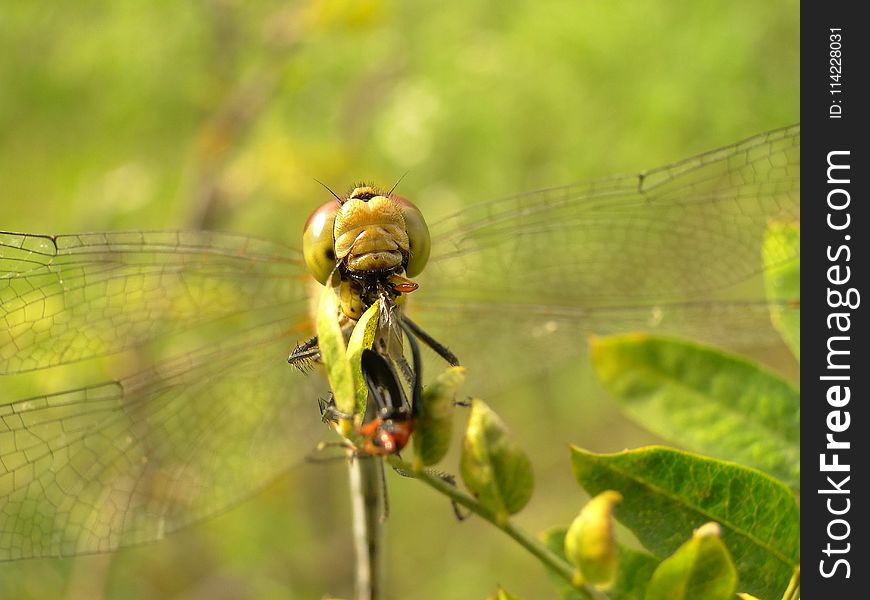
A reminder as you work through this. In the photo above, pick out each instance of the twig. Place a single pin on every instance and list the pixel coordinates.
(366, 494)
(530, 543)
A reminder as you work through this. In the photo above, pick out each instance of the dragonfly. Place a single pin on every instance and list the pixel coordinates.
(198, 407)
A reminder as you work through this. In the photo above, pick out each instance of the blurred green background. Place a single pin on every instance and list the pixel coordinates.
(220, 113)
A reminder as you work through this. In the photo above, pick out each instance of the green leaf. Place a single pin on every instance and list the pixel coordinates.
(493, 467)
(590, 543)
(705, 399)
(782, 279)
(330, 339)
(435, 417)
(668, 493)
(701, 569)
(635, 570)
(362, 337)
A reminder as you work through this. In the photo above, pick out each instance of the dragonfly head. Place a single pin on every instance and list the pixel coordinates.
(366, 232)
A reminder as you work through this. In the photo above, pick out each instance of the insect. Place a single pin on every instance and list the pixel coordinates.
(204, 323)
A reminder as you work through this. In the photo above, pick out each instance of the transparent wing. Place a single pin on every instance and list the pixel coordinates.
(212, 413)
(72, 297)
(518, 283)
(129, 460)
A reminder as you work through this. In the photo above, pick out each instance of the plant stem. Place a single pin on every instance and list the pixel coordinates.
(530, 543)
(367, 507)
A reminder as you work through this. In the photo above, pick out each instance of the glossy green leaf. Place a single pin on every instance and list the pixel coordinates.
(667, 494)
(707, 400)
(435, 417)
(362, 337)
(333, 352)
(635, 570)
(591, 544)
(783, 282)
(493, 467)
(700, 569)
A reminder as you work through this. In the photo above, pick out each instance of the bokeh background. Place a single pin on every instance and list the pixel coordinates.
(220, 113)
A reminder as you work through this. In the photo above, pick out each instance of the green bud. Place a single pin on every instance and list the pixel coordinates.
(590, 543)
(493, 466)
(435, 417)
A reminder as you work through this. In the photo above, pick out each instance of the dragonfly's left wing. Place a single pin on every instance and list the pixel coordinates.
(520, 282)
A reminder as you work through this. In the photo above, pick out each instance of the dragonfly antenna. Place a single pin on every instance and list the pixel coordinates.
(395, 185)
(326, 187)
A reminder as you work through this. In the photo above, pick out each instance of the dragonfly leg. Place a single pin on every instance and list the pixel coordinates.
(329, 412)
(385, 495)
(417, 383)
(446, 478)
(305, 354)
(451, 479)
(317, 454)
(427, 339)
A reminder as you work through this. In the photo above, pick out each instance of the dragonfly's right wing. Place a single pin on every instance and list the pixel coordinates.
(67, 298)
(130, 460)
(213, 412)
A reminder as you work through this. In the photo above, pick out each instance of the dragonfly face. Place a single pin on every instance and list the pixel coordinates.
(203, 409)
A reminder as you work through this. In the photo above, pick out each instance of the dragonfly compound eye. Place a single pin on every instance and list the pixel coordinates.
(318, 241)
(418, 236)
